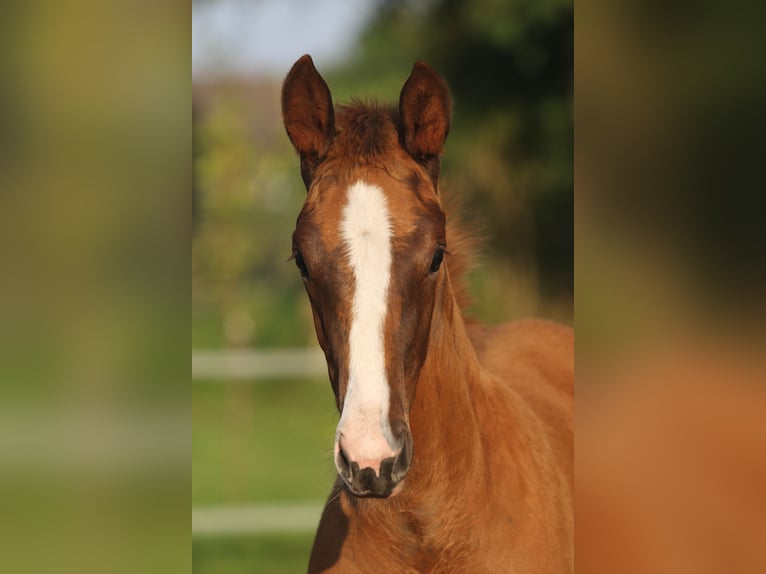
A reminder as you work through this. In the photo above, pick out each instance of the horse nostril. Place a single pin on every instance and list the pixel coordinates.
(403, 457)
(401, 465)
(343, 463)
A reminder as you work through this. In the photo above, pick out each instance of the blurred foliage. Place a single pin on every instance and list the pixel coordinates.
(670, 154)
(670, 283)
(508, 162)
(249, 193)
(94, 226)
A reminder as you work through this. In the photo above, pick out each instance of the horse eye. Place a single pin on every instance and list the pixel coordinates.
(300, 263)
(437, 260)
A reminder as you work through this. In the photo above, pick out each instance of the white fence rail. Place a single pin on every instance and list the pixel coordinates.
(253, 364)
(225, 521)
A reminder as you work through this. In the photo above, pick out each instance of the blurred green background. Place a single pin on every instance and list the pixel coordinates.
(261, 449)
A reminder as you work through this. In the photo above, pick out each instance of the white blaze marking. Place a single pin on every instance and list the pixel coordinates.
(366, 231)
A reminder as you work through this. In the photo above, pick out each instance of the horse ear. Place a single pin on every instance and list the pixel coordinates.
(308, 115)
(424, 113)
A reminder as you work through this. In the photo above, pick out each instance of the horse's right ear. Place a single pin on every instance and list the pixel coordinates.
(308, 114)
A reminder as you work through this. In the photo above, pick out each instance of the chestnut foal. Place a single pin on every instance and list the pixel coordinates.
(454, 445)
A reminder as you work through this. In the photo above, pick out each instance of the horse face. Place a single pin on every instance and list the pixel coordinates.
(369, 243)
(371, 264)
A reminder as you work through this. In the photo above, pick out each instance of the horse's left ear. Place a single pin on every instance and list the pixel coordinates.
(424, 114)
(307, 111)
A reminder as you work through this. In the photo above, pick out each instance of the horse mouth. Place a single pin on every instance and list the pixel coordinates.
(372, 488)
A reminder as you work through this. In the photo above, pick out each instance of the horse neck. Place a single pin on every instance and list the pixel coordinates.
(445, 429)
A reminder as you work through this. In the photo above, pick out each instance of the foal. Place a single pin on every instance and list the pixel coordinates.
(454, 445)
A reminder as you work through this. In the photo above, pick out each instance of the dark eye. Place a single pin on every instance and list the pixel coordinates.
(437, 260)
(299, 262)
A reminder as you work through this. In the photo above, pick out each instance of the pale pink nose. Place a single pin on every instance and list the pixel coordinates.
(368, 464)
(367, 453)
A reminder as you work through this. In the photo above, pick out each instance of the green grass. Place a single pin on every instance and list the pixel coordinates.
(262, 442)
(263, 554)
